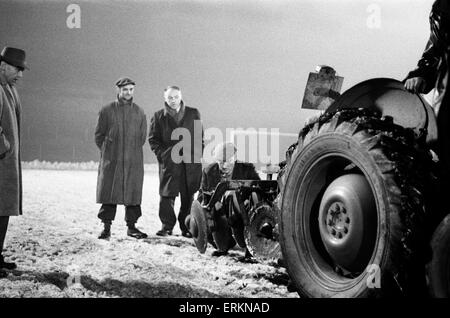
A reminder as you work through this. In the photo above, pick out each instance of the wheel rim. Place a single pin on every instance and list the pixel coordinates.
(335, 146)
(323, 265)
(198, 226)
(347, 214)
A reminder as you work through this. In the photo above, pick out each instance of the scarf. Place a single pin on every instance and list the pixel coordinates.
(177, 116)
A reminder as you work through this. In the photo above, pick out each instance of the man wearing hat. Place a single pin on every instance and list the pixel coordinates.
(12, 65)
(120, 135)
(176, 176)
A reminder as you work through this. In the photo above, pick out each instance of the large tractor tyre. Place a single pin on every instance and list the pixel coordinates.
(353, 210)
(438, 269)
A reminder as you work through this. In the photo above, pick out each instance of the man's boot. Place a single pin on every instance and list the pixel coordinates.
(6, 265)
(106, 233)
(247, 258)
(134, 232)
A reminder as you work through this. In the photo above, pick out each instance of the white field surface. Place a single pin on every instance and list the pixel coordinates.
(58, 254)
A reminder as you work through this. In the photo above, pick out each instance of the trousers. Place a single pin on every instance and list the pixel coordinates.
(4, 220)
(107, 213)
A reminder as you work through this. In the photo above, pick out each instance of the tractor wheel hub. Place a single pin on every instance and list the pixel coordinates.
(346, 219)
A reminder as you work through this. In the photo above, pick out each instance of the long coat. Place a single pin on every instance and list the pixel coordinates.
(120, 135)
(162, 143)
(10, 166)
(433, 67)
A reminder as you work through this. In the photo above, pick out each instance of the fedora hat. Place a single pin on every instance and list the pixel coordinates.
(14, 57)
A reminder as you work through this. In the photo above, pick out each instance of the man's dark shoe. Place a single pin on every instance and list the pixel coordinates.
(6, 265)
(291, 287)
(247, 260)
(3, 274)
(219, 253)
(134, 232)
(186, 234)
(105, 234)
(281, 262)
(164, 232)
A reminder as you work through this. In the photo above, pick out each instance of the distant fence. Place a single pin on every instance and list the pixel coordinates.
(92, 166)
(89, 165)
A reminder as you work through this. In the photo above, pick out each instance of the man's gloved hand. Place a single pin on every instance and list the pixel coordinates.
(415, 85)
(313, 118)
(218, 205)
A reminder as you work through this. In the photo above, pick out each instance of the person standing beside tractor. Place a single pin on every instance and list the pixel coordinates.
(120, 135)
(12, 65)
(432, 72)
(179, 171)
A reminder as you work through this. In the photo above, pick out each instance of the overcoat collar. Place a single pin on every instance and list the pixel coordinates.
(175, 119)
(121, 101)
(3, 81)
(167, 108)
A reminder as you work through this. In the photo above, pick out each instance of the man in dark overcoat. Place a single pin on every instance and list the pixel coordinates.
(12, 65)
(433, 72)
(120, 135)
(176, 138)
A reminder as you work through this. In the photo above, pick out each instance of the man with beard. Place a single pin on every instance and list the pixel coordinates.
(12, 65)
(120, 135)
(180, 169)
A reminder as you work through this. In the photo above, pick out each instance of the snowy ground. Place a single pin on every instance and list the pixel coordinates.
(58, 254)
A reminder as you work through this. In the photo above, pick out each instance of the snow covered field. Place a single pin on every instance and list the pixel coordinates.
(58, 254)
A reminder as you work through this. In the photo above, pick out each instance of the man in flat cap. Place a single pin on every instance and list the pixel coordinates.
(120, 135)
(12, 65)
(176, 176)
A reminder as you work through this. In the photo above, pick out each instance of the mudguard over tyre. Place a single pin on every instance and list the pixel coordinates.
(352, 207)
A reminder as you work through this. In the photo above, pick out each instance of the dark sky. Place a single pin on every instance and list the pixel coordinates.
(243, 63)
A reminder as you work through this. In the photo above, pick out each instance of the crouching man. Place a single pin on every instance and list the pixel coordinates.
(225, 168)
(120, 135)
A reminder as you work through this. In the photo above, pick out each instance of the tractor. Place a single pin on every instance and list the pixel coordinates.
(361, 199)
(357, 208)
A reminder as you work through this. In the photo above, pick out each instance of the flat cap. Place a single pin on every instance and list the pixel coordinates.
(124, 81)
